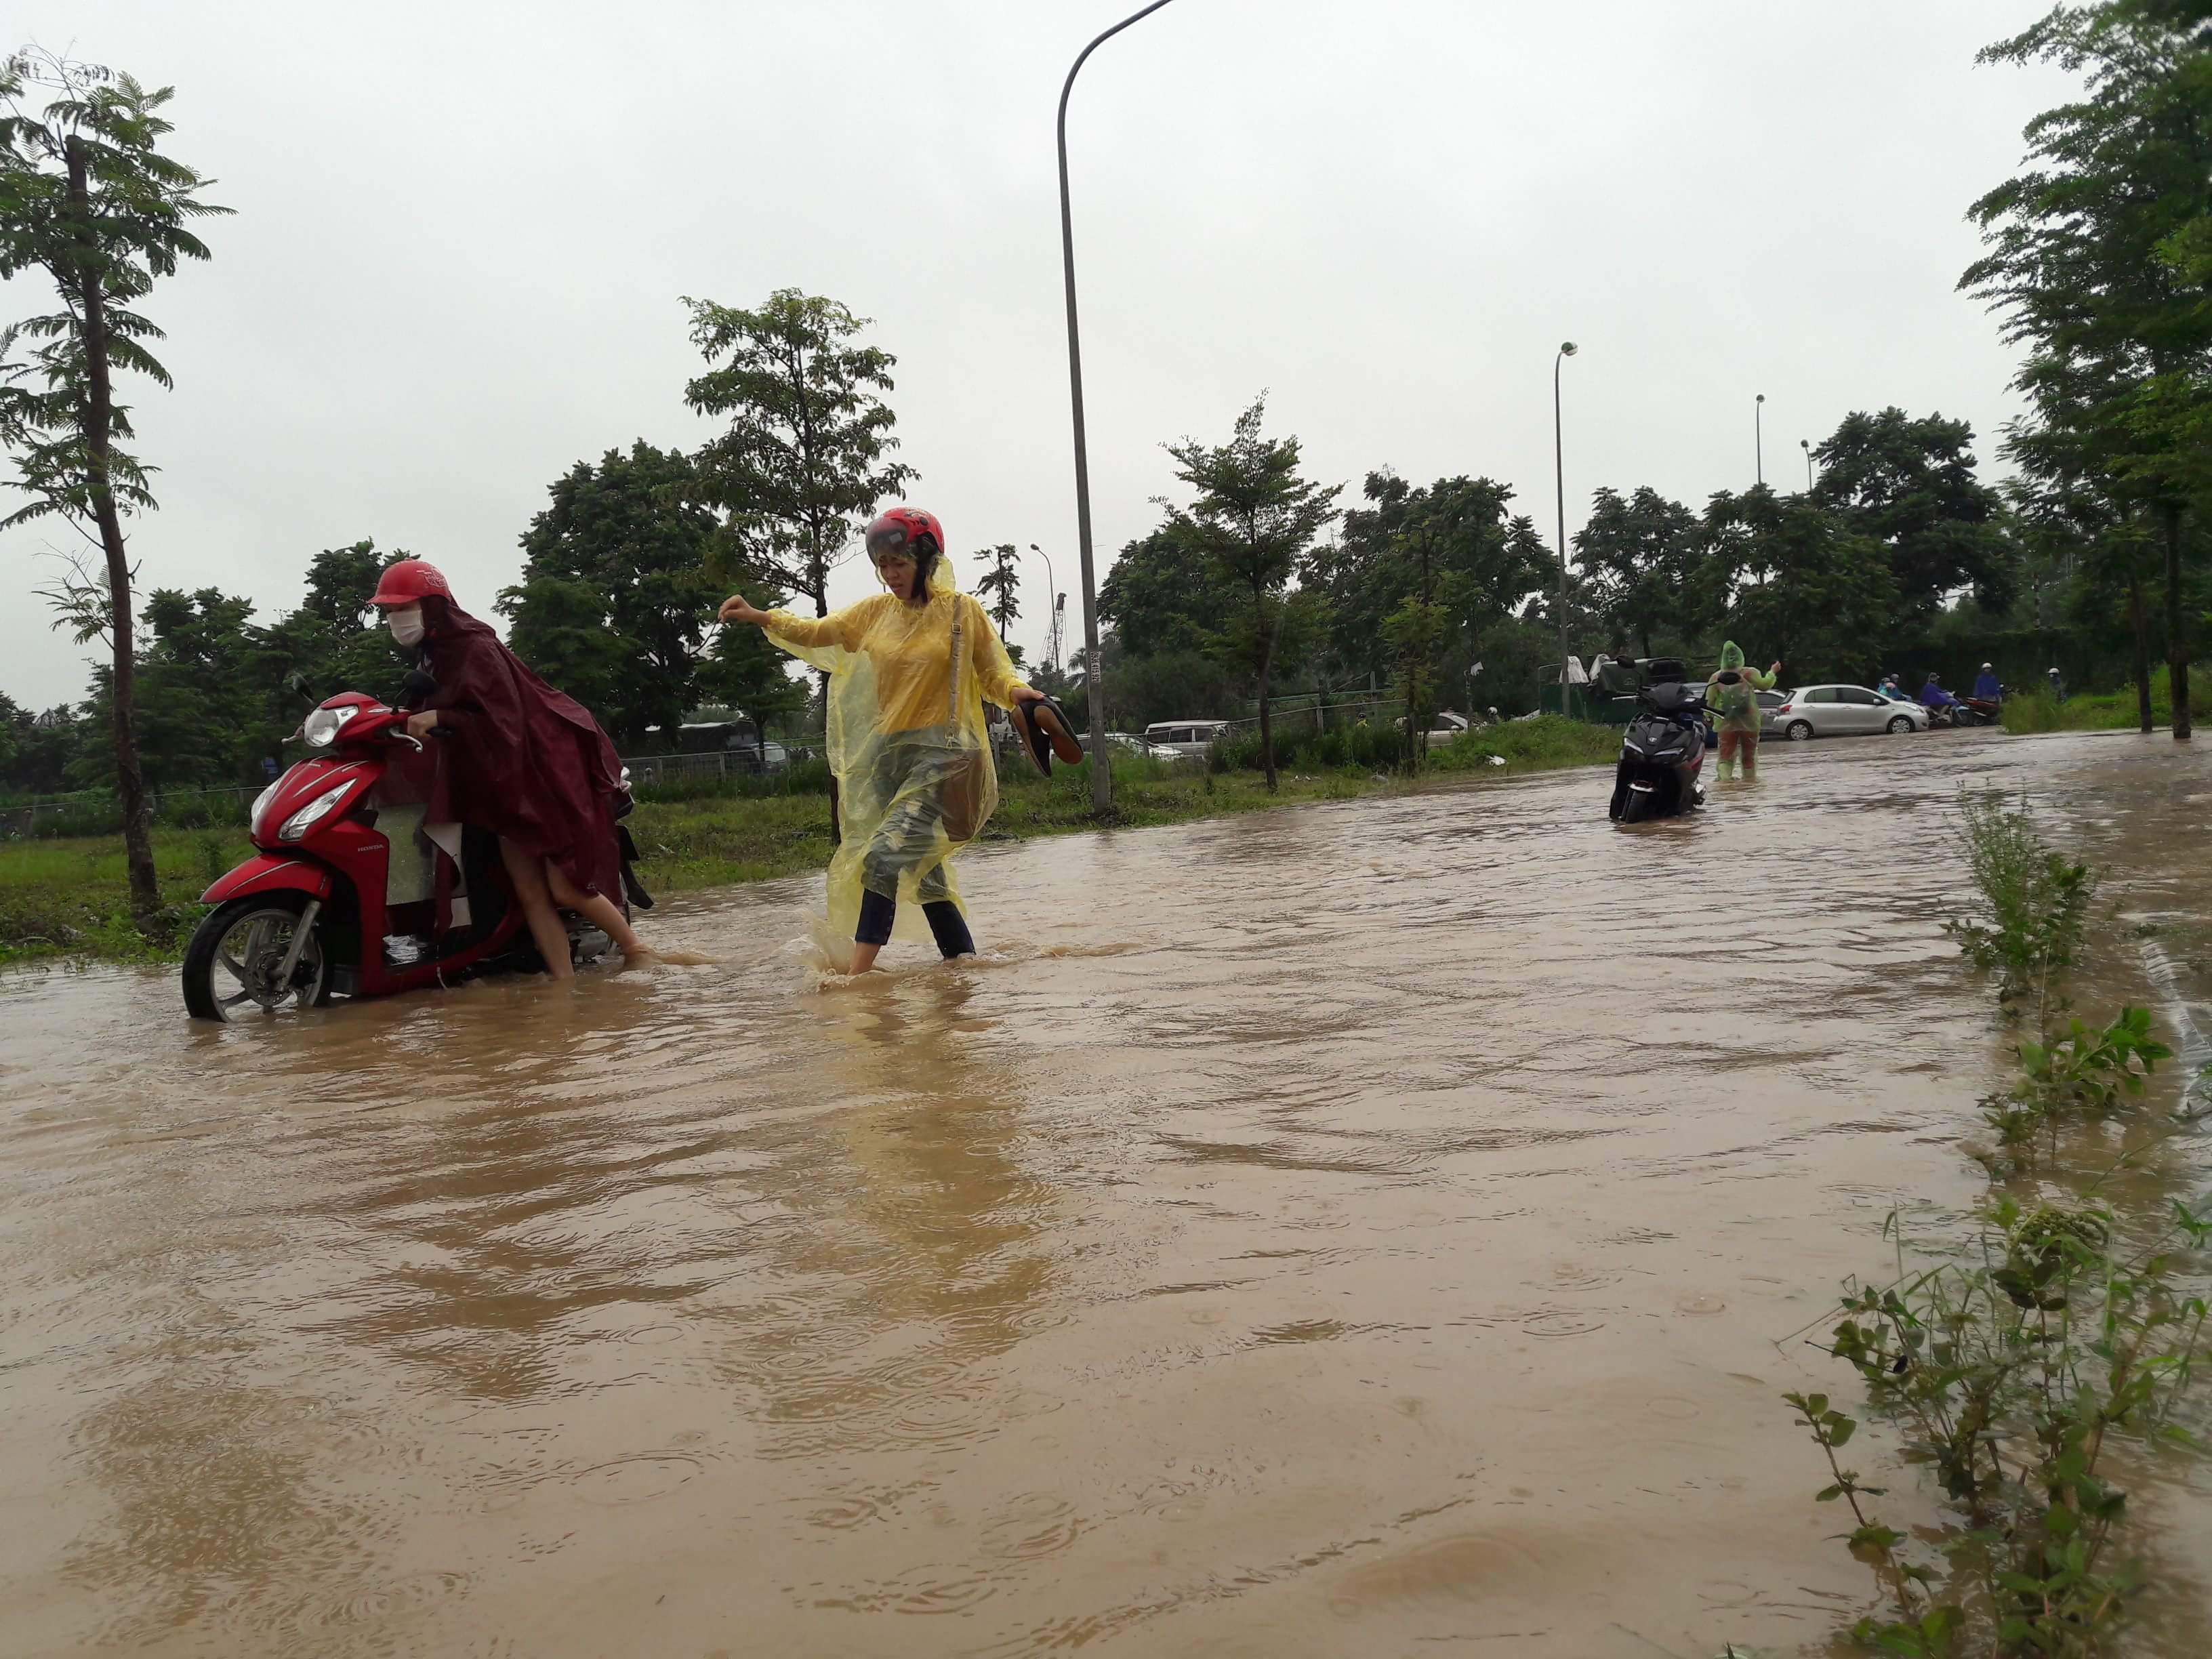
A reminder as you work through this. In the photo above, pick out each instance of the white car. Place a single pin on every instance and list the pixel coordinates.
(1191, 739)
(1838, 711)
(1134, 744)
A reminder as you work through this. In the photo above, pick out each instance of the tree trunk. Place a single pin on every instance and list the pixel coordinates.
(2177, 646)
(1266, 734)
(2142, 640)
(1417, 740)
(99, 423)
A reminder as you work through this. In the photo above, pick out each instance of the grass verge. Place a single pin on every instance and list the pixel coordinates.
(70, 897)
(2105, 711)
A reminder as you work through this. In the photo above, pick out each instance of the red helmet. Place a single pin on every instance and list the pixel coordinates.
(409, 581)
(906, 531)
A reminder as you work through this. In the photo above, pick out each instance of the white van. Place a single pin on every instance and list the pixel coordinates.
(1191, 738)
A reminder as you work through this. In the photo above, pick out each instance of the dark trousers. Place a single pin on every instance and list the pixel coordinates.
(945, 923)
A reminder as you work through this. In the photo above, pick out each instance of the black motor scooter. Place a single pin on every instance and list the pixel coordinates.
(1663, 755)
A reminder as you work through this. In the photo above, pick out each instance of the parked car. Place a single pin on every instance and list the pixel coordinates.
(1190, 738)
(1134, 744)
(1836, 711)
(1768, 703)
(1448, 726)
(752, 757)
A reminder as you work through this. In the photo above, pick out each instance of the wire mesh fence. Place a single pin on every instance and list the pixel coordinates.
(97, 812)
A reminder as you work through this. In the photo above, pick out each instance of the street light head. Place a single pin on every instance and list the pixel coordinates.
(1034, 548)
(1761, 398)
(1567, 348)
(1805, 443)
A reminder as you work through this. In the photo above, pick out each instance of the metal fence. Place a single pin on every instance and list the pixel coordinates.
(719, 765)
(94, 812)
(1311, 714)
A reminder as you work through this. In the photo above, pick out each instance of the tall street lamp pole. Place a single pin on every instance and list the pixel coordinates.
(1102, 775)
(1806, 444)
(1758, 436)
(1052, 619)
(1559, 478)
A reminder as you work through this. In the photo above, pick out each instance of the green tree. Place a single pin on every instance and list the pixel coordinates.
(616, 598)
(807, 456)
(1253, 520)
(200, 714)
(335, 641)
(1909, 484)
(1000, 586)
(561, 630)
(1160, 598)
(88, 200)
(1637, 555)
(1449, 543)
(2090, 264)
(1799, 583)
(40, 747)
(14, 727)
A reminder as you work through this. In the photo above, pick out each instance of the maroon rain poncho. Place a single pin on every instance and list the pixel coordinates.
(517, 757)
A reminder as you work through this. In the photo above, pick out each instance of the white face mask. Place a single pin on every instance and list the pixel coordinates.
(406, 624)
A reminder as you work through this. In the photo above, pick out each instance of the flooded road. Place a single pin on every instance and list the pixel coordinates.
(1356, 1229)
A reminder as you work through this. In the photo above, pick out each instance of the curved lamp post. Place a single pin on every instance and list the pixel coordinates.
(1052, 620)
(1759, 436)
(1102, 774)
(1559, 479)
(1806, 444)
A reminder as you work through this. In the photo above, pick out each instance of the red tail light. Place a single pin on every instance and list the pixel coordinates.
(1783, 710)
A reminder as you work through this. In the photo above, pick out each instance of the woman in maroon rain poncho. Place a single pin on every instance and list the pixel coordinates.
(522, 760)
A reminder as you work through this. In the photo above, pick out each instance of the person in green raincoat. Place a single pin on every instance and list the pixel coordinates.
(1736, 710)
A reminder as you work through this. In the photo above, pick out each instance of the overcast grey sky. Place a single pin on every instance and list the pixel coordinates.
(463, 228)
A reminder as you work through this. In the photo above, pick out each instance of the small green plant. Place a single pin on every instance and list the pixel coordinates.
(2034, 901)
(2012, 1376)
(2080, 1072)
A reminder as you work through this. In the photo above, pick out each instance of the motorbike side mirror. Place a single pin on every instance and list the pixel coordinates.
(297, 684)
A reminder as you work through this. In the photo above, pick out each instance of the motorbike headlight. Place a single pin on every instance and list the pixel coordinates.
(314, 812)
(322, 727)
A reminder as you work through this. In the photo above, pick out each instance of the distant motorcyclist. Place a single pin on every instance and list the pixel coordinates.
(1986, 687)
(2058, 686)
(1933, 695)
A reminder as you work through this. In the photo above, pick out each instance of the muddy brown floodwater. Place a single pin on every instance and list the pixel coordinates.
(1357, 1228)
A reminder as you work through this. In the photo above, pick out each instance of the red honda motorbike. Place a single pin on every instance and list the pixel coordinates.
(340, 899)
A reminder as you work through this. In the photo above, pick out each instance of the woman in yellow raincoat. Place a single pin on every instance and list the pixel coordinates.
(909, 670)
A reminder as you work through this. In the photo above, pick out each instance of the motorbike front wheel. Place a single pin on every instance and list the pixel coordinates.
(232, 965)
(1639, 805)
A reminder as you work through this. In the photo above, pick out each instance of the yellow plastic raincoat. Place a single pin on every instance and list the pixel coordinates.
(915, 778)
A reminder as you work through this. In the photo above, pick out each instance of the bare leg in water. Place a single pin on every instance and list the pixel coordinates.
(544, 891)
